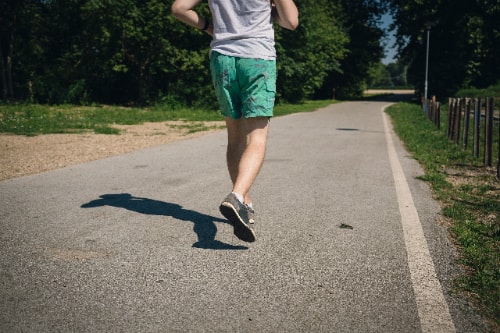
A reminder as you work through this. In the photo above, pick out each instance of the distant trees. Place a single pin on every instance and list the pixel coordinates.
(364, 50)
(8, 21)
(392, 75)
(135, 52)
(464, 42)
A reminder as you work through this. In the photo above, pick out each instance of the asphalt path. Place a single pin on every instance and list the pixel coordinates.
(348, 239)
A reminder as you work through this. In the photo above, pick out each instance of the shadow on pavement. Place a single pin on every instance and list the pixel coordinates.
(396, 98)
(392, 95)
(204, 225)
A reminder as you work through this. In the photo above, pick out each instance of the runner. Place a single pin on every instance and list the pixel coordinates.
(243, 68)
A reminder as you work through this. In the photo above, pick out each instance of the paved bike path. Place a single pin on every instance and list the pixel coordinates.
(135, 243)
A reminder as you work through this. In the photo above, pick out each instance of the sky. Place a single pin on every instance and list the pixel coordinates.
(390, 52)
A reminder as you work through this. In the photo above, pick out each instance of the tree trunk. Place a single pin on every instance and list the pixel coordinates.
(10, 50)
(3, 73)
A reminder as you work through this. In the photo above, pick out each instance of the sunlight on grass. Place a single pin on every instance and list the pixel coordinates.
(34, 119)
(470, 196)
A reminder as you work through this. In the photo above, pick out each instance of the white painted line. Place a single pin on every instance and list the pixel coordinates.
(432, 308)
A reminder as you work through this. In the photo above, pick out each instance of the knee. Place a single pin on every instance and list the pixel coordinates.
(257, 140)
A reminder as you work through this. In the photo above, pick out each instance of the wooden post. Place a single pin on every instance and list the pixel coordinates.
(451, 101)
(454, 120)
(430, 110)
(498, 161)
(432, 114)
(465, 139)
(477, 128)
(438, 115)
(488, 130)
(458, 120)
(432, 104)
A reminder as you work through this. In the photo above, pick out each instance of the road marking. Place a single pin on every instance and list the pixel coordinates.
(432, 308)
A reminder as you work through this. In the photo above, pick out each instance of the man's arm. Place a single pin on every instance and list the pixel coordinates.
(285, 13)
(183, 10)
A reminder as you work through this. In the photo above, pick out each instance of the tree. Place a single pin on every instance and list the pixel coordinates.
(380, 77)
(307, 55)
(140, 49)
(464, 42)
(397, 72)
(360, 20)
(135, 52)
(10, 11)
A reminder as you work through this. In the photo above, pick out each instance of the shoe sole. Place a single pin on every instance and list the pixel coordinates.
(241, 230)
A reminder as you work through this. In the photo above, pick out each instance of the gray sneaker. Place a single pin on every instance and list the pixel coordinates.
(238, 214)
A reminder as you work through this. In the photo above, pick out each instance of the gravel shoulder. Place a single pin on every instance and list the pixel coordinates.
(23, 155)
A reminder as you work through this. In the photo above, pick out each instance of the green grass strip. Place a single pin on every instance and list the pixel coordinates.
(470, 196)
(33, 119)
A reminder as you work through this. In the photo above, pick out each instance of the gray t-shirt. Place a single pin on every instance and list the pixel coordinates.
(243, 28)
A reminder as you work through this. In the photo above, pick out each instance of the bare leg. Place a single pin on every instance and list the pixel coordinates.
(246, 148)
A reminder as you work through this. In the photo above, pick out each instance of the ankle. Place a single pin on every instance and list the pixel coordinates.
(239, 196)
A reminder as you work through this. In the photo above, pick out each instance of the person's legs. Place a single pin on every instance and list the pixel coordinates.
(245, 89)
(246, 148)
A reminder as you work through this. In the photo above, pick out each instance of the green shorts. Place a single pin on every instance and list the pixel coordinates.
(245, 87)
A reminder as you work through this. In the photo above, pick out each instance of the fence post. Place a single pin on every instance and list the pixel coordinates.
(477, 128)
(498, 160)
(458, 118)
(451, 101)
(437, 121)
(456, 106)
(428, 106)
(465, 140)
(432, 108)
(488, 130)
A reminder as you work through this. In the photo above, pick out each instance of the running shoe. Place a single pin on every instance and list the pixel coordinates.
(237, 214)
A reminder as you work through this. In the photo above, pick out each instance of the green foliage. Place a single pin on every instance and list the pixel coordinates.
(132, 52)
(470, 196)
(380, 77)
(492, 91)
(364, 51)
(464, 39)
(308, 54)
(392, 75)
(126, 52)
(398, 73)
(34, 119)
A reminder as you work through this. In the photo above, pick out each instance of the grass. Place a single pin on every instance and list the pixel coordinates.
(470, 197)
(492, 91)
(193, 127)
(34, 119)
